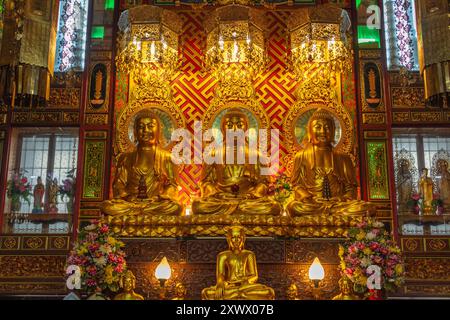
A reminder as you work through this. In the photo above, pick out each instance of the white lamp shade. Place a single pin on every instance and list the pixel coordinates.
(163, 270)
(316, 271)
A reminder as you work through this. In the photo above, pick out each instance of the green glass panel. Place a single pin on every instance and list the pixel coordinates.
(98, 32)
(109, 4)
(368, 37)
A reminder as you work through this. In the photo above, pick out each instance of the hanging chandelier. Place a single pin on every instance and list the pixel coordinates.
(235, 39)
(319, 40)
(148, 42)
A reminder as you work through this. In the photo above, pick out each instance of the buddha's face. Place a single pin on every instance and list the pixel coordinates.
(321, 131)
(147, 131)
(404, 167)
(236, 239)
(128, 284)
(39, 180)
(424, 172)
(442, 166)
(235, 122)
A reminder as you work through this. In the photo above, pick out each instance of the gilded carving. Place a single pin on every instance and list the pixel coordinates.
(59, 243)
(96, 119)
(370, 54)
(377, 170)
(426, 116)
(411, 244)
(34, 243)
(3, 118)
(419, 269)
(64, 98)
(32, 266)
(374, 118)
(408, 97)
(9, 243)
(93, 169)
(177, 226)
(371, 86)
(71, 117)
(99, 87)
(429, 289)
(400, 116)
(437, 244)
(57, 288)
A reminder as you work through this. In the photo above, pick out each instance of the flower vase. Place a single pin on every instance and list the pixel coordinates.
(69, 205)
(375, 294)
(15, 206)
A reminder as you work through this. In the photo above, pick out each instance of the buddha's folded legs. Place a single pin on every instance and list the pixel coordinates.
(121, 207)
(298, 208)
(238, 206)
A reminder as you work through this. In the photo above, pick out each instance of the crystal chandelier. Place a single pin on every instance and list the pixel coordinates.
(148, 42)
(319, 40)
(235, 39)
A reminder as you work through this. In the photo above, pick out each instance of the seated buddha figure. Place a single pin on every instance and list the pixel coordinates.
(234, 188)
(145, 178)
(323, 179)
(128, 283)
(236, 273)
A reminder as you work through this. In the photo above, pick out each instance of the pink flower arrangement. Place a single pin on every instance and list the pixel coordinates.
(370, 244)
(19, 188)
(100, 258)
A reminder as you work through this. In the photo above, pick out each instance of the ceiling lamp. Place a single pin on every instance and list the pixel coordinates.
(319, 39)
(235, 37)
(148, 41)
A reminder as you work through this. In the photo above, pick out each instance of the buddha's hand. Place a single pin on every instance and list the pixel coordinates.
(220, 288)
(131, 198)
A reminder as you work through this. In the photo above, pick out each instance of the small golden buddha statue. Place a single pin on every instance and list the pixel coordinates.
(292, 292)
(323, 179)
(234, 188)
(145, 181)
(237, 273)
(426, 191)
(345, 285)
(128, 283)
(180, 291)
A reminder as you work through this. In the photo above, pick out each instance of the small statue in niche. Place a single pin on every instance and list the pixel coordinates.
(404, 185)
(53, 191)
(38, 195)
(426, 191)
(444, 182)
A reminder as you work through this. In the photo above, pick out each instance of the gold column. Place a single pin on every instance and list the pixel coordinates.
(434, 49)
(28, 51)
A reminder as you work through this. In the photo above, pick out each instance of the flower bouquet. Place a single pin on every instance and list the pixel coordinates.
(438, 204)
(67, 189)
(18, 188)
(280, 188)
(370, 244)
(415, 203)
(100, 258)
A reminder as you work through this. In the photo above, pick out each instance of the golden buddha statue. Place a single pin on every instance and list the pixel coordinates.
(345, 284)
(426, 191)
(145, 181)
(128, 283)
(323, 179)
(234, 188)
(236, 273)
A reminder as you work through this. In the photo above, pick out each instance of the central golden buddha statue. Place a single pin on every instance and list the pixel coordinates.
(145, 181)
(234, 188)
(323, 179)
(237, 273)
